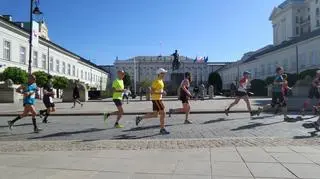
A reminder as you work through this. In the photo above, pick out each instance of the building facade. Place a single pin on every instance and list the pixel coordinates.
(296, 52)
(143, 68)
(47, 56)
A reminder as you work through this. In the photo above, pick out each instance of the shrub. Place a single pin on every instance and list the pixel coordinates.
(17, 75)
(42, 78)
(259, 87)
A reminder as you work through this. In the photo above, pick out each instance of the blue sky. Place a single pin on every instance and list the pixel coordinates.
(100, 30)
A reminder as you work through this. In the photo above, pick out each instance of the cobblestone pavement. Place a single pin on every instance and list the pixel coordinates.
(208, 130)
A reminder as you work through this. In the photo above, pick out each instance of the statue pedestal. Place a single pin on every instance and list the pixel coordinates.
(8, 93)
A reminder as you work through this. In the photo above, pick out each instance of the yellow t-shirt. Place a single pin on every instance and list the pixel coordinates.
(118, 85)
(157, 86)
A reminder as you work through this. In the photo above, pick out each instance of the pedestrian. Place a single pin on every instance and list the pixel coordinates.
(157, 91)
(242, 93)
(126, 95)
(313, 92)
(277, 94)
(76, 95)
(185, 95)
(48, 95)
(29, 94)
(118, 89)
(196, 92)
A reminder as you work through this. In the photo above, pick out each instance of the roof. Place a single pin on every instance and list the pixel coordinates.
(287, 2)
(54, 44)
(285, 44)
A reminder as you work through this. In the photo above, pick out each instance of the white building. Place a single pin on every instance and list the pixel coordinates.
(146, 67)
(296, 52)
(47, 56)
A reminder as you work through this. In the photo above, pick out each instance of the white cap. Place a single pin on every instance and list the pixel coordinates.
(161, 70)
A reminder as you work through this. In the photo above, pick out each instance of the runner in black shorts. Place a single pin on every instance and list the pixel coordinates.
(48, 95)
(185, 95)
(314, 92)
(76, 95)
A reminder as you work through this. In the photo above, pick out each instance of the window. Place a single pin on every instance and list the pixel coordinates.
(58, 66)
(301, 30)
(81, 74)
(302, 60)
(85, 76)
(301, 19)
(23, 55)
(262, 70)
(297, 30)
(73, 70)
(77, 72)
(69, 69)
(35, 59)
(51, 64)
(317, 1)
(7, 50)
(44, 61)
(297, 19)
(317, 11)
(64, 67)
(298, 10)
(318, 23)
(308, 17)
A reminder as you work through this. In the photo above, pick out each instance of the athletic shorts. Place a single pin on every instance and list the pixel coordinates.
(117, 102)
(314, 92)
(157, 105)
(184, 99)
(241, 93)
(48, 102)
(278, 98)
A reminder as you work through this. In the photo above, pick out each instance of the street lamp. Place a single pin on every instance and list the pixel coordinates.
(35, 11)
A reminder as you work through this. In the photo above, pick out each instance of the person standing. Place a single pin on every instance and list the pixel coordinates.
(241, 93)
(29, 94)
(157, 91)
(313, 92)
(126, 95)
(118, 89)
(196, 92)
(185, 95)
(48, 95)
(76, 95)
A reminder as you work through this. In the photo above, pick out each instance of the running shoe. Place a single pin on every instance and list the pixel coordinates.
(40, 114)
(118, 126)
(105, 116)
(287, 119)
(187, 122)
(45, 121)
(163, 131)
(138, 120)
(36, 130)
(10, 124)
(226, 111)
(252, 113)
(170, 112)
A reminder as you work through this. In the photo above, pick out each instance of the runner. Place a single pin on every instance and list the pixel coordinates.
(241, 93)
(29, 92)
(118, 89)
(185, 95)
(277, 94)
(313, 92)
(76, 95)
(158, 108)
(48, 95)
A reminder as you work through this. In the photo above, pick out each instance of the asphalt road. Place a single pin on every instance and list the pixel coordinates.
(91, 128)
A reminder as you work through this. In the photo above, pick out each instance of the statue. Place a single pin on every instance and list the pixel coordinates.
(176, 61)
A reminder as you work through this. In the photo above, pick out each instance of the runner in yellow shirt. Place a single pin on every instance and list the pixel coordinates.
(156, 95)
(118, 89)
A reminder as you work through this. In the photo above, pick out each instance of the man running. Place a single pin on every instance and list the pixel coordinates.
(185, 95)
(29, 93)
(158, 107)
(76, 95)
(277, 94)
(241, 93)
(48, 95)
(118, 89)
(313, 92)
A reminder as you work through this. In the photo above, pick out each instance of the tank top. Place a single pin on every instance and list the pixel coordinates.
(182, 92)
(243, 85)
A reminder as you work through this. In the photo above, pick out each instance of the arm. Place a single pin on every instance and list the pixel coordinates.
(315, 82)
(183, 86)
(19, 89)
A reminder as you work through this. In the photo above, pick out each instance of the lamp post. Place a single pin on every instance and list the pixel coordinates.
(35, 11)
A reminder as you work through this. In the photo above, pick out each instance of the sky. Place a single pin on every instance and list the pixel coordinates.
(101, 30)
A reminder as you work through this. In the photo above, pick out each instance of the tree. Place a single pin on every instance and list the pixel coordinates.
(146, 83)
(259, 87)
(42, 78)
(311, 73)
(60, 82)
(127, 80)
(1, 77)
(17, 75)
(215, 80)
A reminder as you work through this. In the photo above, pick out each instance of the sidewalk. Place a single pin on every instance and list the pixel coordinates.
(217, 163)
(98, 107)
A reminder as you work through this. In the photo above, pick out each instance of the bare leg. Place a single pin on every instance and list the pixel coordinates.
(153, 114)
(236, 101)
(162, 116)
(246, 99)
(120, 113)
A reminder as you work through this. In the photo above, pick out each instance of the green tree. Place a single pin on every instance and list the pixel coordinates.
(127, 80)
(311, 73)
(1, 77)
(17, 75)
(60, 82)
(259, 87)
(42, 78)
(215, 80)
(146, 83)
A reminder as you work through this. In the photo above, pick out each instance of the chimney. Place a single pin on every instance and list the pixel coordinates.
(8, 17)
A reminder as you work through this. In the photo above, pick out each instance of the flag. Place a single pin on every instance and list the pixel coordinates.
(206, 59)
(195, 60)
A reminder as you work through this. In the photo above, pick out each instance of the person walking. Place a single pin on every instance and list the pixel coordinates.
(76, 95)
(313, 92)
(185, 95)
(48, 95)
(29, 94)
(118, 89)
(157, 92)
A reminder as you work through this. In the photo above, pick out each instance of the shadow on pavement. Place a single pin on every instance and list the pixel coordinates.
(144, 128)
(217, 120)
(125, 136)
(59, 134)
(17, 125)
(254, 125)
